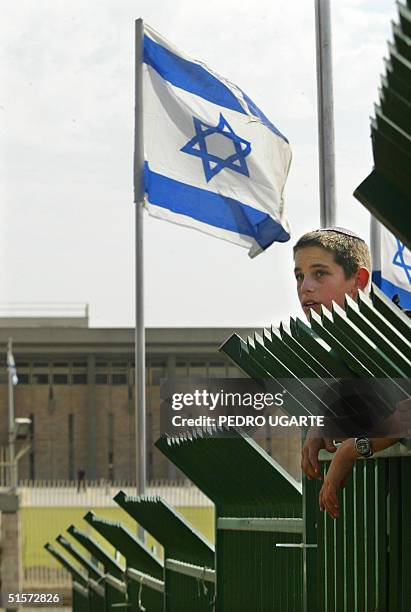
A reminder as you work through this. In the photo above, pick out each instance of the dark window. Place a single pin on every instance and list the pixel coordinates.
(101, 364)
(197, 368)
(119, 364)
(79, 364)
(110, 427)
(23, 379)
(79, 379)
(21, 364)
(60, 364)
(32, 463)
(41, 364)
(156, 372)
(217, 369)
(41, 379)
(60, 379)
(71, 446)
(119, 379)
(181, 369)
(101, 379)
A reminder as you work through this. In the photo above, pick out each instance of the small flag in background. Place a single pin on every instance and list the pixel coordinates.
(214, 162)
(11, 367)
(393, 273)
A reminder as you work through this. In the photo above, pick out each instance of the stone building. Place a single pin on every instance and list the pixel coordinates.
(76, 383)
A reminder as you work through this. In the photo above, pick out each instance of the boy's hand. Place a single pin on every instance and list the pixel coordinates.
(340, 468)
(338, 472)
(314, 442)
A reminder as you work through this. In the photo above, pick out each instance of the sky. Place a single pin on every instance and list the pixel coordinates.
(66, 152)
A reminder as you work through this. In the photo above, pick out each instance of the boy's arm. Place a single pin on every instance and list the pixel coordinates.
(313, 443)
(397, 425)
(340, 468)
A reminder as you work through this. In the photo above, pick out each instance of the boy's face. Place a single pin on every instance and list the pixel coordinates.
(320, 280)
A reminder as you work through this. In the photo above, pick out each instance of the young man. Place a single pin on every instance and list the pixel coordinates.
(330, 263)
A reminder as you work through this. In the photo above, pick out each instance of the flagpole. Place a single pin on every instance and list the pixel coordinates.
(375, 244)
(140, 348)
(325, 110)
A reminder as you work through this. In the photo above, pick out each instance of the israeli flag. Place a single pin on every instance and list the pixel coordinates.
(11, 367)
(214, 162)
(392, 268)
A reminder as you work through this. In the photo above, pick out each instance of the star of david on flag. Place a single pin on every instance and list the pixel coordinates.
(399, 260)
(393, 273)
(213, 161)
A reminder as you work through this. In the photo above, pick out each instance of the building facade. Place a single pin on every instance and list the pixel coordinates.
(76, 383)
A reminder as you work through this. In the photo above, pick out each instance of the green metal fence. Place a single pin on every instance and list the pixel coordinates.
(101, 583)
(360, 562)
(275, 550)
(258, 507)
(142, 584)
(87, 594)
(386, 191)
(113, 590)
(188, 558)
(110, 566)
(363, 557)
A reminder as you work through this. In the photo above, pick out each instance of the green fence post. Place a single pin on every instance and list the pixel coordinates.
(386, 192)
(405, 533)
(144, 585)
(183, 546)
(86, 595)
(114, 596)
(258, 519)
(113, 593)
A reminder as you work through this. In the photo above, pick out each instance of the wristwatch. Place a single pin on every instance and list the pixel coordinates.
(363, 447)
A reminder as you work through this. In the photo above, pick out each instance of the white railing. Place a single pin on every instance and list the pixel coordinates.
(38, 576)
(99, 494)
(70, 484)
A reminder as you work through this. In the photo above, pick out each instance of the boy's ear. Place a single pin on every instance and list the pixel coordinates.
(363, 277)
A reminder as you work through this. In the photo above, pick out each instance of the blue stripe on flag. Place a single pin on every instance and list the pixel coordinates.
(253, 108)
(212, 208)
(188, 76)
(197, 80)
(390, 290)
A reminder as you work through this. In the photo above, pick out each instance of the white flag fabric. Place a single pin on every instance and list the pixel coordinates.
(393, 273)
(11, 366)
(213, 161)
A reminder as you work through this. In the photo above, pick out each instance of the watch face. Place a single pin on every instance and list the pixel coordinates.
(363, 446)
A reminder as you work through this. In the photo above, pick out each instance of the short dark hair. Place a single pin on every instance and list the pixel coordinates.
(350, 251)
